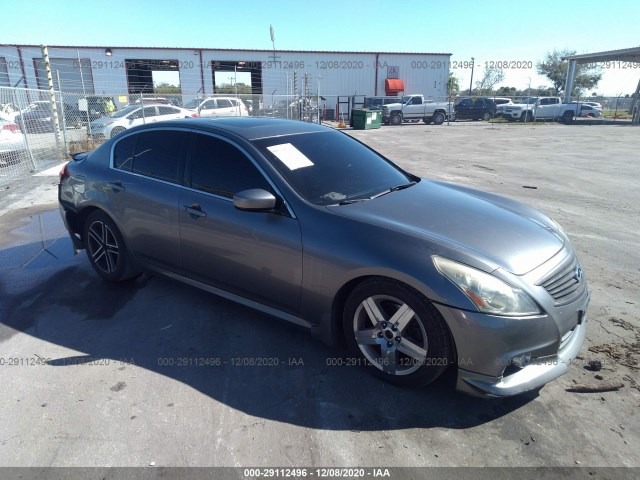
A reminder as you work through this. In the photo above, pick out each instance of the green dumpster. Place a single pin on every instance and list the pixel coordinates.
(364, 119)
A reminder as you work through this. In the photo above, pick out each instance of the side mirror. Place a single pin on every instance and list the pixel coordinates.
(254, 199)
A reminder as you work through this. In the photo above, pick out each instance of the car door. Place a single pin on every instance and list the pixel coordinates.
(143, 192)
(257, 255)
(464, 109)
(142, 116)
(207, 108)
(168, 113)
(225, 108)
(544, 109)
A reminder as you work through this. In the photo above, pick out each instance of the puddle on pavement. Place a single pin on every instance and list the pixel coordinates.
(34, 241)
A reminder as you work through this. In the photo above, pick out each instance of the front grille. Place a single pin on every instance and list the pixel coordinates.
(566, 282)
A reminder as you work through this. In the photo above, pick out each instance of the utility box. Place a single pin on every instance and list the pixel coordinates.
(364, 119)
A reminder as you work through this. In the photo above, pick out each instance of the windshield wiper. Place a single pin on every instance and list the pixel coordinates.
(352, 200)
(393, 189)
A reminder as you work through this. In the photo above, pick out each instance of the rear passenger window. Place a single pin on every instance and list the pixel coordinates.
(224, 103)
(167, 110)
(123, 153)
(158, 154)
(222, 169)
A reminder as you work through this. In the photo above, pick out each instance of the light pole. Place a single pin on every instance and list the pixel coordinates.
(471, 82)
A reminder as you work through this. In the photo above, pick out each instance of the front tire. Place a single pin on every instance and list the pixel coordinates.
(486, 116)
(395, 119)
(398, 331)
(106, 249)
(438, 118)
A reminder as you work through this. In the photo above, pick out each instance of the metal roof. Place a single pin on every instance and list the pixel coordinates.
(73, 47)
(626, 54)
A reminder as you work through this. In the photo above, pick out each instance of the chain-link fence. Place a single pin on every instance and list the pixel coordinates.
(38, 129)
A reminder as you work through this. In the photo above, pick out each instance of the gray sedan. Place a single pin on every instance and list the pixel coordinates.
(309, 225)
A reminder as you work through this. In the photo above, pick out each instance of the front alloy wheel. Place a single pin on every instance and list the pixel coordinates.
(398, 331)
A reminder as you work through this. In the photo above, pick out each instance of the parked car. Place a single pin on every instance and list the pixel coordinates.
(596, 105)
(482, 108)
(376, 103)
(38, 117)
(218, 107)
(586, 110)
(12, 144)
(541, 108)
(309, 225)
(8, 112)
(133, 115)
(153, 101)
(501, 104)
(93, 107)
(416, 107)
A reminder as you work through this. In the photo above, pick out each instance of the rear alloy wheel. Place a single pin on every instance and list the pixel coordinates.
(438, 118)
(398, 331)
(106, 249)
(395, 119)
(567, 117)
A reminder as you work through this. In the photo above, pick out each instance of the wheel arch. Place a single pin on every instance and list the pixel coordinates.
(341, 296)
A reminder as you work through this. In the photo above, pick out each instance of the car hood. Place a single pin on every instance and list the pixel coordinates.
(505, 232)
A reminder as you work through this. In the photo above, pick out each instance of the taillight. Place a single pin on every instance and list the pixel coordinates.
(12, 127)
(195, 115)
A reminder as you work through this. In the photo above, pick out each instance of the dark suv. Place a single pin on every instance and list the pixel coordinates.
(479, 109)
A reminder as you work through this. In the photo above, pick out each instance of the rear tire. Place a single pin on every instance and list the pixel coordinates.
(438, 118)
(486, 116)
(398, 331)
(567, 117)
(106, 249)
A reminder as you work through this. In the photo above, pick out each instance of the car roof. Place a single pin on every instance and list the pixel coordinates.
(249, 128)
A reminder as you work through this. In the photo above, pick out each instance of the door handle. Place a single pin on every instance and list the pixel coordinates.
(115, 186)
(195, 210)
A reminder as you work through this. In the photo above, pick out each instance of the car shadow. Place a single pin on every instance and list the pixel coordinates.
(244, 359)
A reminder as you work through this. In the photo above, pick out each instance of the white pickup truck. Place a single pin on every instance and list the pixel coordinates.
(416, 107)
(540, 108)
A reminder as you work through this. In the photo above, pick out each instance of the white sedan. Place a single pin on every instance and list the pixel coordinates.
(12, 145)
(134, 115)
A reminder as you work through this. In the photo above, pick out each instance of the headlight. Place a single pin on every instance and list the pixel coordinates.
(488, 293)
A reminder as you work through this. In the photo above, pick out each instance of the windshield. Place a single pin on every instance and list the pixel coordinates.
(125, 111)
(195, 103)
(327, 168)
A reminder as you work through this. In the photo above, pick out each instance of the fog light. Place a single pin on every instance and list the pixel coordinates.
(521, 361)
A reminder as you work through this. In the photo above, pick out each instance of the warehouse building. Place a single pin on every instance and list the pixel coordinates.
(200, 72)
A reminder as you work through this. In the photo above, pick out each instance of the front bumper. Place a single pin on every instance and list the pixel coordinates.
(485, 348)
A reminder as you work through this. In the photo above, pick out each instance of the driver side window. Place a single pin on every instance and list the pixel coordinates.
(220, 168)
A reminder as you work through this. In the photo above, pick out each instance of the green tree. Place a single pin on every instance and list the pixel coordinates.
(166, 88)
(555, 69)
(229, 88)
(453, 84)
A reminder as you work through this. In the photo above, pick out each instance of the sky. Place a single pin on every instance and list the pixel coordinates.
(490, 30)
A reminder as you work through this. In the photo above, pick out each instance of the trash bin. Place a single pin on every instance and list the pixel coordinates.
(364, 119)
